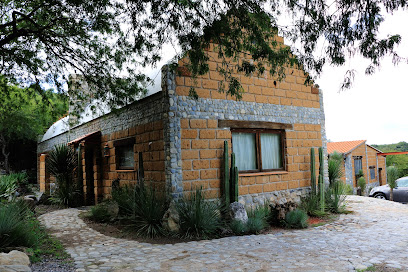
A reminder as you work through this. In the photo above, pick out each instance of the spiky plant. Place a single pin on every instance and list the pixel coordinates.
(392, 176)
(335, 167)
(62, 162)
(16, 226)
(198, 217)
(296, 219)
(8, 186)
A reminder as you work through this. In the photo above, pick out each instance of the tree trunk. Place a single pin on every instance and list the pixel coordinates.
(391, 194)
(3, 144)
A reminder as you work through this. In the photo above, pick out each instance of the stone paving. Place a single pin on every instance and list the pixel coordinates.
(376, 233)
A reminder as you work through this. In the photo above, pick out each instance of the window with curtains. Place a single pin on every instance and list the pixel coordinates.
(258, 150)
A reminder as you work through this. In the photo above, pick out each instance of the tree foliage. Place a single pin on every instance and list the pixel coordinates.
(399, 161)
(44, 40)
(25, 113)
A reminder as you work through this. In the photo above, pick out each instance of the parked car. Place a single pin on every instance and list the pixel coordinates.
(400, 193)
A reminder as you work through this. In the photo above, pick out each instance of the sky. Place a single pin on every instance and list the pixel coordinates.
(375, 108)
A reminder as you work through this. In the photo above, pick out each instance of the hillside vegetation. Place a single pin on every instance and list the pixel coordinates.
(399, 161)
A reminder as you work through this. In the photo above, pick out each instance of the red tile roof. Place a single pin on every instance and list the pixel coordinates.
(343, 147)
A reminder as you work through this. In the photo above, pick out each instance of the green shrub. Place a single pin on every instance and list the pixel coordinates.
(18, 227)
(8, 186)
(311, 204)
(258, 218)
(296, 219)
(124, 196)
(361, 182)
(348, 189)
(238, 227)
(335, 197)
(198, 218)
(143, 207)
(101, 213)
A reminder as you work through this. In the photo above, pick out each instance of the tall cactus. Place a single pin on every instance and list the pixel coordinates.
(226, 175)
(230, 178)
(313, 170)
(140, 170)
(321, 175)
(234, 179)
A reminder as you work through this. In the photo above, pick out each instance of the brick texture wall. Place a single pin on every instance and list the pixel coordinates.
(148, 140)
(202, 153)
(291, 91)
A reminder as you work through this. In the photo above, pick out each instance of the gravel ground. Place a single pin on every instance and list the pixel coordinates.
(50, 265)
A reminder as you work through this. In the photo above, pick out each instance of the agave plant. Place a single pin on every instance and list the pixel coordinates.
(62, 163)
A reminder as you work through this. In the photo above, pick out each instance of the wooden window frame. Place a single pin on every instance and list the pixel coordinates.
(122, 143)
(258, 148)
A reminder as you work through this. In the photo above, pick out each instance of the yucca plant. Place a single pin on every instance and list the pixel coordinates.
(198, 218)
(62, 162)
(149, 209)
(143, 207)
(392, 176)
(335, 197)
(335, 167)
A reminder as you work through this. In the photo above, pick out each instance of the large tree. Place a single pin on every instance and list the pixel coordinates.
(43, 40)
(24, 114)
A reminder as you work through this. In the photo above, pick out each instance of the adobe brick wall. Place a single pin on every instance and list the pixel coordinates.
(150, 141)
(291, 91)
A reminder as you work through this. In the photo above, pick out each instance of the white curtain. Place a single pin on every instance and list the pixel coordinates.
(271, 151)
(243, 145)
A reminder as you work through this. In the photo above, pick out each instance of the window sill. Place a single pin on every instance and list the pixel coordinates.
(124, 171)
(263, 174)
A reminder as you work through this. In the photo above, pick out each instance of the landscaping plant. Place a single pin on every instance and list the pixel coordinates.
(143, 207)
(18, 226)
(62, 163)
(392, 176)
(258, 219)
(335, 167)
(198, 218)
(335, 197)
(361, 182)
(8, 187)
(101, 212)
(296, 219)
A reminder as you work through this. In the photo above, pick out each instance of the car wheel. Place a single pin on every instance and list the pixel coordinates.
(380, 196)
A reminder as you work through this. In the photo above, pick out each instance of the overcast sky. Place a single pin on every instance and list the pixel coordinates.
(376, 107)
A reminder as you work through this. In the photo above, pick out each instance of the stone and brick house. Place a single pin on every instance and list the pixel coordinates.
(360, 156)
(271, 130)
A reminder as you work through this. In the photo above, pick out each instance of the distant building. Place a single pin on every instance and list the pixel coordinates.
(359, 155)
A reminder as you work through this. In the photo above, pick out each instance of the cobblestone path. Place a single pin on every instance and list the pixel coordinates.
(377, 232)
